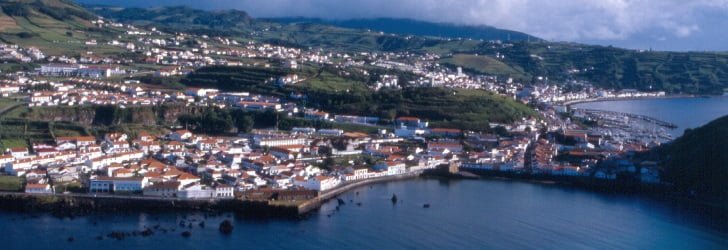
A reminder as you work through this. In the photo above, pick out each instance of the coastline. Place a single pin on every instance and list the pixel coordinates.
(80, 204)
(69, 205)
(659, 192)
(614, 99)
(315, 203)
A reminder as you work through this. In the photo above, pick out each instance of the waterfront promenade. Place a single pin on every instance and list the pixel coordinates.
(144, 201)
(315, 203)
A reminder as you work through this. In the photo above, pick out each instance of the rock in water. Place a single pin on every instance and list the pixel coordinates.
(427, 205)
(147, 232)
(186, 234)
(226, 227)
(70, 239)
(394, 198)
(341, 202)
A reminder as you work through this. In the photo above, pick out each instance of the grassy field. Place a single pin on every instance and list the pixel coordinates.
(6, 102)
(11, 183)
(484, 65)
(332, 83)
(11, 143)
(17, 112)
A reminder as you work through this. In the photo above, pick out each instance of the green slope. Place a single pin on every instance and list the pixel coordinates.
(465, 109)
(58, 27)
(698, 162)
(675, 72)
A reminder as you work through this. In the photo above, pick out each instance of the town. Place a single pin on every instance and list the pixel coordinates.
(176, 163)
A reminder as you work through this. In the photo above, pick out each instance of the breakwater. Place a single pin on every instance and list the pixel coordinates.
(315, 203)
(645, 118)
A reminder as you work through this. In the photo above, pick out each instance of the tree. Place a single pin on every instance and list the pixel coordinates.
(244, 123)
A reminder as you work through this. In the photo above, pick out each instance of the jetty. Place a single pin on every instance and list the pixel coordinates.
(316, 202)
(645, 118)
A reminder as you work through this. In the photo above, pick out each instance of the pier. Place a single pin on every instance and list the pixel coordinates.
(631, 116)
(316, 203)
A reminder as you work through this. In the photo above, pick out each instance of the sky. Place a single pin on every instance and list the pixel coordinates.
(639, 24)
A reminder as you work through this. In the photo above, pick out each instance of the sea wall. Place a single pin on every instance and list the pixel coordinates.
(316, 203)
(69, 205)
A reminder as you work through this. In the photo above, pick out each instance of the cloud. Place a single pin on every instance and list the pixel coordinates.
(563, 20)
(550, 19)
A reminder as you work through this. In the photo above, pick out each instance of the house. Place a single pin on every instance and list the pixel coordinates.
(395, 168)
(357, 173)
(316, 115)
(451, 146)
(19, 167)
(163, 189)
(196, 191)
(181, 135)
(446, 132)
(18, 152)
(37, 188)
(320, 183)
(411, 122)
(223, 191)
(59, 69)
(200, 92)
(330, 132)
(288, 79)
(116, 137)
(105, 184)
(79, 141)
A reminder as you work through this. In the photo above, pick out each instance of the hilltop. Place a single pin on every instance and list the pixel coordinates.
(59, 27)
(418, 28)
(697, 163)
(528, 61)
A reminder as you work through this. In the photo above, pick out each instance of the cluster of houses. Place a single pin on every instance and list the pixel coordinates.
(184, 165)
(15, 53)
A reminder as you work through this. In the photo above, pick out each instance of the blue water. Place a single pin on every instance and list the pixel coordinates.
(684, 112)
(469, 214)
(463, 214)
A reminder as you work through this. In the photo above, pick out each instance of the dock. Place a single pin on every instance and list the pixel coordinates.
(316, 203)
(631, 116)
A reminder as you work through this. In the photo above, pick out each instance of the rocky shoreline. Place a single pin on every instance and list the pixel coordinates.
(659, 192)
(69, 206)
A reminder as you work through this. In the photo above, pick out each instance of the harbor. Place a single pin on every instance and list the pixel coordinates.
(627, 127)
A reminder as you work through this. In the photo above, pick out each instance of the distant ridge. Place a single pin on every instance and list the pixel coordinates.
(418, 28)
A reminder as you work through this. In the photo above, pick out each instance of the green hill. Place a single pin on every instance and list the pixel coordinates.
(674, 72)
(418, 28)
(697, 161)
(61, 27)
(465, 109)
(56, 26)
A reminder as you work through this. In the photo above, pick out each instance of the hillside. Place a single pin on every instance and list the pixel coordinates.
(466, 109)
(62, 27)
(674, 72)
(418, 28)
(229, 22)
(57, 26)
(698, 162)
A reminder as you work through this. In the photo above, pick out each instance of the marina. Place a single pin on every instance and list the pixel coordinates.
(624, 127)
